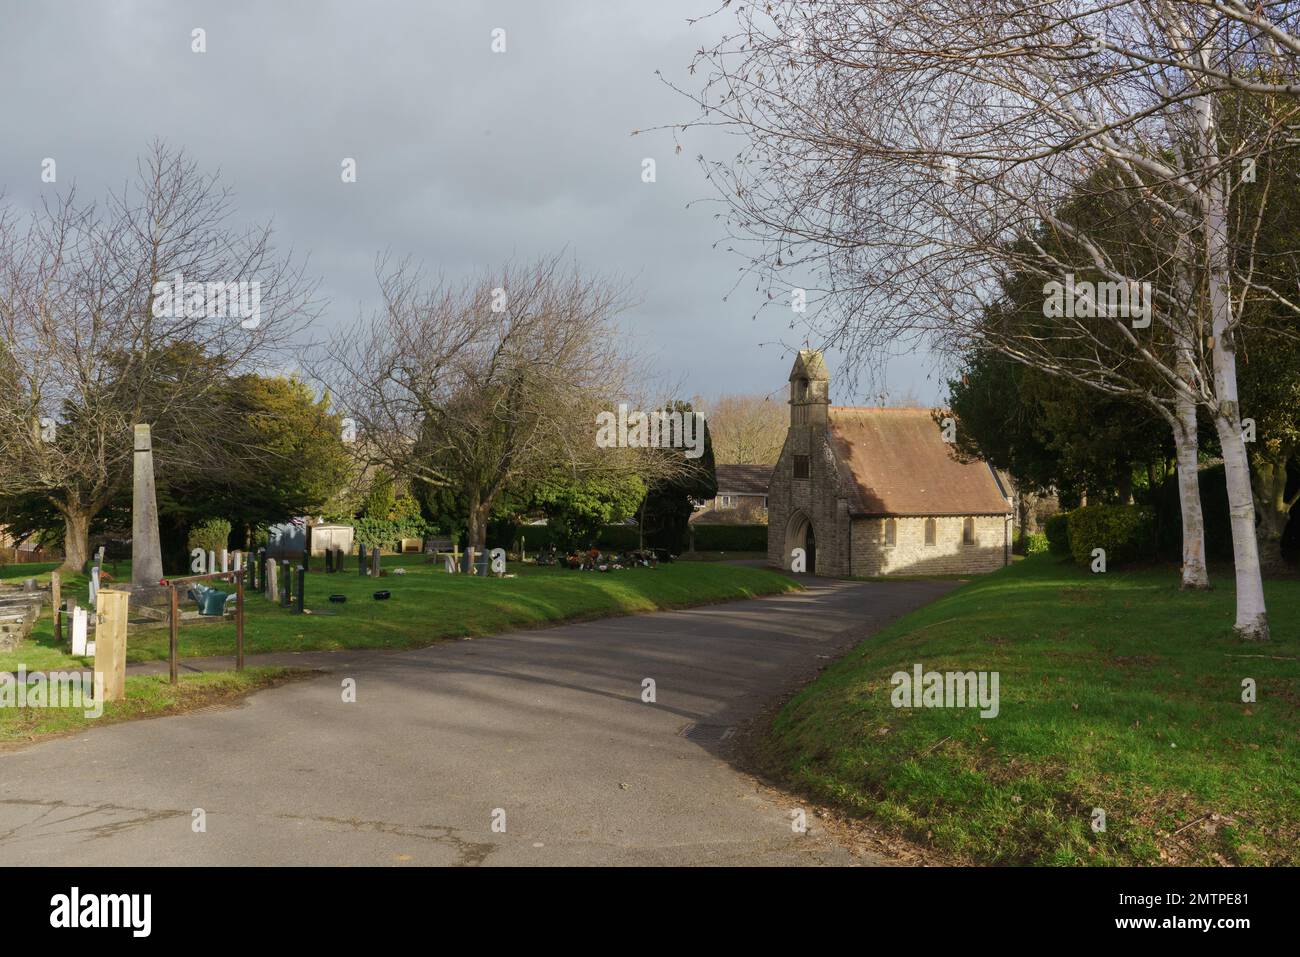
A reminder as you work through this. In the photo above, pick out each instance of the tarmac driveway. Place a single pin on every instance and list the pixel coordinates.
(542, 735)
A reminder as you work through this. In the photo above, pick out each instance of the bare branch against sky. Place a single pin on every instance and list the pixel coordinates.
(464, 156)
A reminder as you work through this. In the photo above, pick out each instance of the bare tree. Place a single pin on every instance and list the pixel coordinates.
(746, 429)
(914, 155)
(96, 339)
(487, 385)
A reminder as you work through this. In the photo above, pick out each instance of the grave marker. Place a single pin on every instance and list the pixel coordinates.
(78, 627)
(146, 545)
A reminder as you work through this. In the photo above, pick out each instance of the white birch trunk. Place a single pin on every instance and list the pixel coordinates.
(1252, 616)
(1195, 574)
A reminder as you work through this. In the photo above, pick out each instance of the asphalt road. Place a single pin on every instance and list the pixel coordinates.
(544, 732)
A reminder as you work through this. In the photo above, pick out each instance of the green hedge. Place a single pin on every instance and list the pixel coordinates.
(1057, 530)
(539, 537)
(708, 538)
(620, 538)
(1126, 532)
(730, 538)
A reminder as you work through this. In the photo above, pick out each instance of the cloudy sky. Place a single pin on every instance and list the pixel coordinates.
(465, 157)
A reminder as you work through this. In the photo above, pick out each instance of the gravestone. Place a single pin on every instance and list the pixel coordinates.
(329, 560)
(302, 588)
(79, 628)
(272, 585)
(374, 562)
(450, 561)
(286, 584)
(146, 546)
(361, 560)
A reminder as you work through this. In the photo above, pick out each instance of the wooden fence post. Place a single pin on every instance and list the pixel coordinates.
(173, 639)
(110, 641)
(239, 622)
(56, 601)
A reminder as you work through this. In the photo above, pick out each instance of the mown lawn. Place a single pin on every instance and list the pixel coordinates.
(1117, 692)
(426, 605)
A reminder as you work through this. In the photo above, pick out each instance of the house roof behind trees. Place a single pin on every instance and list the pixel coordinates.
(743, 479)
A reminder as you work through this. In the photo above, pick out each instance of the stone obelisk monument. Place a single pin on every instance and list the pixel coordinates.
(146, 548)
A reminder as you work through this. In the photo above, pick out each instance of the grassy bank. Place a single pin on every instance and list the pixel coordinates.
(147, 696)
(426, 605)
(1117, 692)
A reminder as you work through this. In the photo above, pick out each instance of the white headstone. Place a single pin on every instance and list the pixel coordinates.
(225, 561)
(239, 561)
(451, 563)
(94, 584)
(79, 631)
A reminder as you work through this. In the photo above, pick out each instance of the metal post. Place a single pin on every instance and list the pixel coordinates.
(239, 622)
(173, 638)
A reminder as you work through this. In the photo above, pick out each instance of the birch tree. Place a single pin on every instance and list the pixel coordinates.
(909, 155)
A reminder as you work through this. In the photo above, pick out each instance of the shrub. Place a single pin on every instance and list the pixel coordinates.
(1057, 531)
(1126, 532)
(1035, 543)
(387, 533)
(211, 536)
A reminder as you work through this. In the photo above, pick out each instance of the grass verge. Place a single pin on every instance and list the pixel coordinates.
(426, 605)
(1118, 692)
(147, 696)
